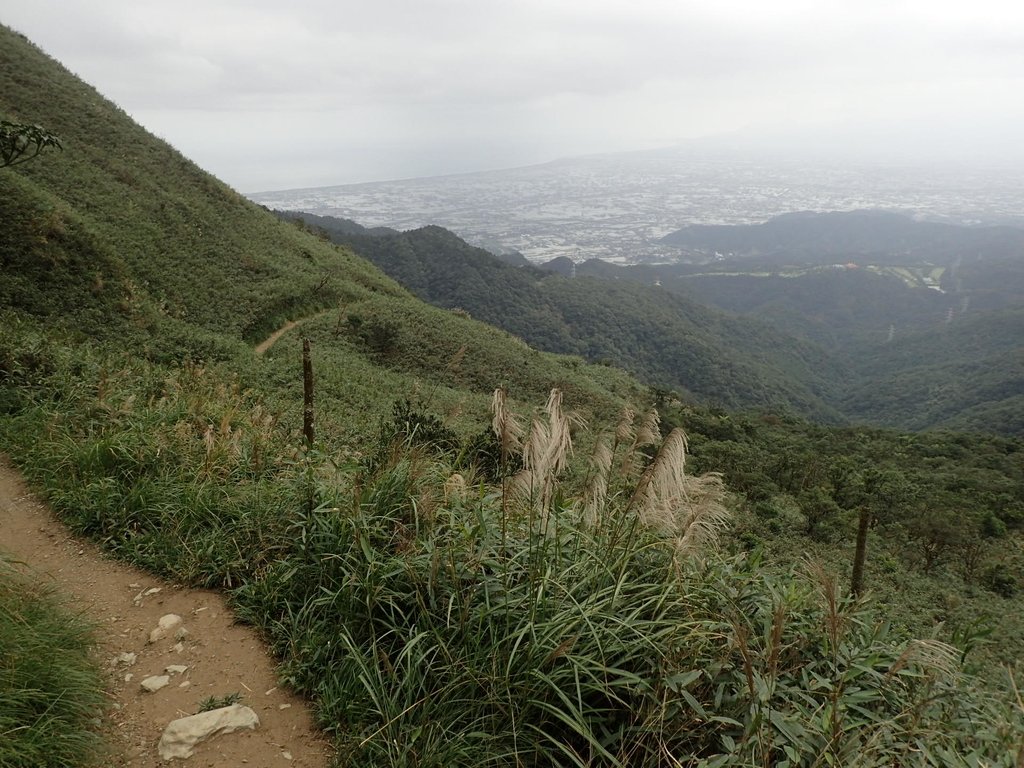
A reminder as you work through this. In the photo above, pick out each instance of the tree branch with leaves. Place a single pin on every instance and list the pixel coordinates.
(21, 143)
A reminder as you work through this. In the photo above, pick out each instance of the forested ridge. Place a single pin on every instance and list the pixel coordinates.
(852, 342)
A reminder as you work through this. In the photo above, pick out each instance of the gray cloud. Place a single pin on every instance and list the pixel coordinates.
(271, 94)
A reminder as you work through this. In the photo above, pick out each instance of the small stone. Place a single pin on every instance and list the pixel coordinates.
(154, 683)
(286, 755)
(175, 669)
(182, 735)
(181, 634)
(185, 684)
(125, 659)
(152, 591)
(128, 677)
(284, 706)
(163, 628)
(179, 647)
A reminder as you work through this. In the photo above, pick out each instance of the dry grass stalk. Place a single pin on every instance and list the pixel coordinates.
(828, 592)
(506, 427)
(648, 433)
(596, 492)
(700, 514)
(686, 509)
(545, 455)
(454, 489)
(636, 436)
(624, 432)
(931, 655)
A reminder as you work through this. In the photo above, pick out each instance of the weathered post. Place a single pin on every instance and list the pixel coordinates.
(307, 394)
(860, 554)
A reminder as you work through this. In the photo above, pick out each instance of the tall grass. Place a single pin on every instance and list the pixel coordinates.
(440, 619)
(473, 629)
(51, 693)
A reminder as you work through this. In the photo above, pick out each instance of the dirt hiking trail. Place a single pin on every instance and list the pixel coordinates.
(271, 340)
(126, 604)
(264, 346)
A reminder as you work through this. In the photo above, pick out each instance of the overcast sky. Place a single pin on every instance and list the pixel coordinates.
(297, 93)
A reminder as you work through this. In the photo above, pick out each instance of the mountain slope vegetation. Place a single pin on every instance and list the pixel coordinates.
(666, 340)
(868, 344)
(455, 589)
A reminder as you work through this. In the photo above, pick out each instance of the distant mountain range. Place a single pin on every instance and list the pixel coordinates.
(820, 238)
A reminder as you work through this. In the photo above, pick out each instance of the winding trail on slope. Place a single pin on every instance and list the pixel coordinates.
(261, 348)
(271, 340)
(126, 604)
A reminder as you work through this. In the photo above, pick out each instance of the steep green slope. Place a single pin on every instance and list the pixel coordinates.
(834, 308)
(913, 357)
(195, 249)
(894, 359)
(666, 340)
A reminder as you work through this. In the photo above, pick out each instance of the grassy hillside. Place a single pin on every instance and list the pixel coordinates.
(448, 590)
(119, 238)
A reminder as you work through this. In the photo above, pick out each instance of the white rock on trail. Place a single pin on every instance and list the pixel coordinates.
(154, 683)
(165, 626)
(176, 669)
(181, 736)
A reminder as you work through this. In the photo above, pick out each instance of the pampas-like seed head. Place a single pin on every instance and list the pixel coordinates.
(545, 454)
(624, 432)
(688, 510)
(506, 427)
(932, 655)
(597, 488)
(702, 516)
(454, 488)
(648, 433)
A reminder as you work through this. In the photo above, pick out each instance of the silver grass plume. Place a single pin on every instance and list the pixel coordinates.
(596, 492)
(661, 483)
(506, 427)
(455, 488)
(688, 510)
(648, 433)
(931, 655)
(624, 432)
(645, 433)
(546, 454)
(702, 516)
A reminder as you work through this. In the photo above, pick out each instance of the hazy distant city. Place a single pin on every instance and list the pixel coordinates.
(617, 207)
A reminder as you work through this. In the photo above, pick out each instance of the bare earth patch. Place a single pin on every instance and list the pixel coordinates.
(220, 657)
